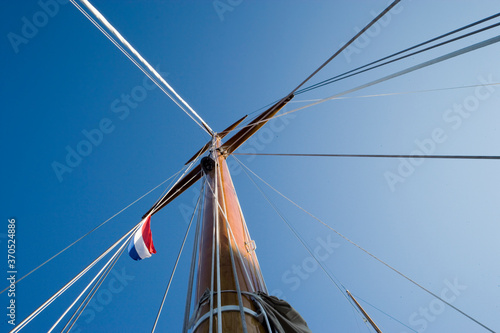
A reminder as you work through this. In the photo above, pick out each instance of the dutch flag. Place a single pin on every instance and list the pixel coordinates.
(141, 245)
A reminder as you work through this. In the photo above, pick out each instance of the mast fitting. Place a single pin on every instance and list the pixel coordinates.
(207, 163)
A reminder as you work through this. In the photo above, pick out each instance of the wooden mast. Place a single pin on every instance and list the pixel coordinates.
(227, 259)
(228, 269)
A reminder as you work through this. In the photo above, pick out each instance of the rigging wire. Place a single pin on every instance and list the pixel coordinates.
(94, 229)
(176, 263)
(377, 95)
(231, 236)
(403, 92)
(363, 68)
(69, 284)
(389, 56)
(189, 293)
(95, 288)
(215, 222)
(436, 60)
(394, 3)
(369, 253)
(103, 270)
(155, 208)
(394, 75)
(330, 275)
(218, 249)
(467, 157)
(151, 69)
(229, 232)
(149, 75)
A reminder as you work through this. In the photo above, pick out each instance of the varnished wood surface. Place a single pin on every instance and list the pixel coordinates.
(249, 281)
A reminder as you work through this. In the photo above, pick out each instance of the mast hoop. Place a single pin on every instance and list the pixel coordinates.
(261, 315)
(228, 308)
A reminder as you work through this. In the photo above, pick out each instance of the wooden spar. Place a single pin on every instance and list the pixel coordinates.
(224, 231)
(229, 146)
(370, 320)
(220, 135)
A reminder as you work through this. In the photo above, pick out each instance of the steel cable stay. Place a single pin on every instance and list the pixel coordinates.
(291, 94)
(194, 256)
(102, 275)
(377, 95)
(97, 227)
(214, 231)
(341, 95)
(343, 75)
(352, 40)
(425, 64)
(233, 265)
(227, 258)
(83, 272)
(78, 312)
(403, 92)
(364, 68)
(388, 57)
(177, 262)
(336, 282)
(155, 208)
(217, 247)
(131, 58)
(232, 239)
(150, 72)
(366, 251)
(103, 272)
(42, 307)
(369, 96)
(402, 57)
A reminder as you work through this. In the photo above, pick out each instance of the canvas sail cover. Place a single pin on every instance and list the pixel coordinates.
(282, 316)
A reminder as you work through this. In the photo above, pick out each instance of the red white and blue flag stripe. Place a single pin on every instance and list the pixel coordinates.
(141, 245)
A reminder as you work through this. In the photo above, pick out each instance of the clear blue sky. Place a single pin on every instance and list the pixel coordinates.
(440, 226)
